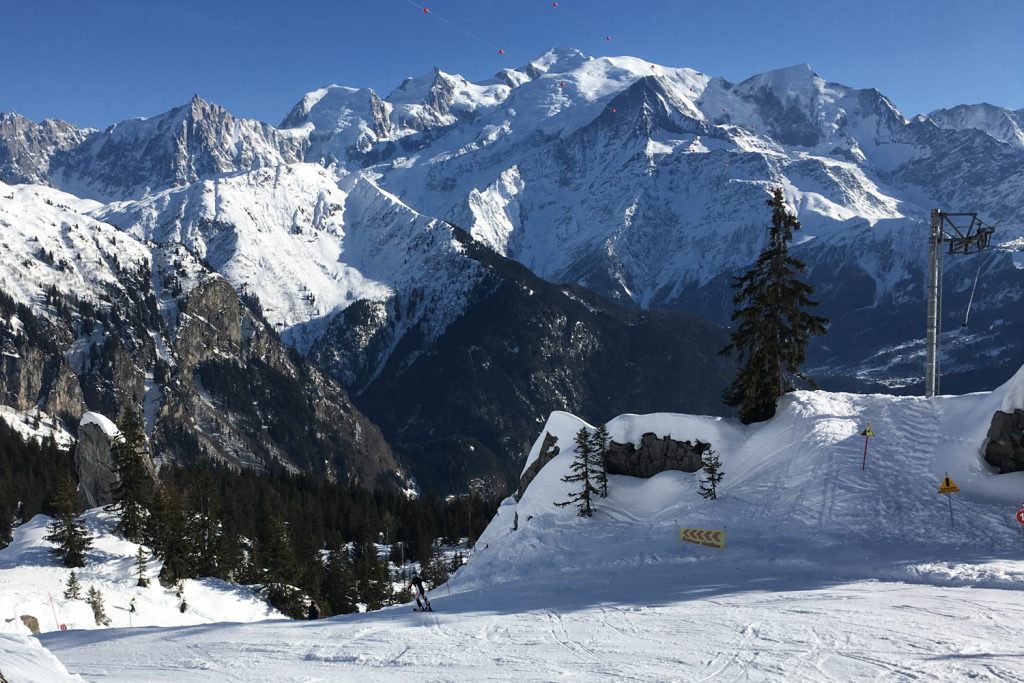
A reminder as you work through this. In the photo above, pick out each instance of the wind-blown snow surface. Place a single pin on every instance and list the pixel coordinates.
(829, 572)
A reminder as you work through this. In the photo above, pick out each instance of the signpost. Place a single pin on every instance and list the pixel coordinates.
(867, 434)
(1020, 520)
(947, 488)
(710, 538)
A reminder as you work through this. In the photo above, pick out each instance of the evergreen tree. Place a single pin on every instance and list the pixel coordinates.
(583, 473)
(339, 584)
(140, 568)
(774, 326)
(372, 578)
(207, 528)
(171, 536)
(74, 589)
(134, 486)
(95, 601)
(712, 475)
(69, 535)
(599, 452)
(435, 569)
(6, 527)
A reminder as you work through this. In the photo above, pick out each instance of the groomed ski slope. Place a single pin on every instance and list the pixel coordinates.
(829, 572)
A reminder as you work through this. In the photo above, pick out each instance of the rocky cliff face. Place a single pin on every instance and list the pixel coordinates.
(27, 147)
(94, 465)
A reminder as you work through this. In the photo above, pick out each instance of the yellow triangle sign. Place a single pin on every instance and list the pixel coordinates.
(868, 431)
(948, 486)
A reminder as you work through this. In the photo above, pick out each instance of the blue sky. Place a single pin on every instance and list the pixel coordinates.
(94, 62)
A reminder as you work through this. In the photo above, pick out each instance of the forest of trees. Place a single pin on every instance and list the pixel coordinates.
(298, 537)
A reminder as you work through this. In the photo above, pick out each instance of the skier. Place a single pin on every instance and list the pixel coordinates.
(416, 583)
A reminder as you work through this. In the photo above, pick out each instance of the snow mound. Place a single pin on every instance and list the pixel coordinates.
(23, 659)
(30, 575)
(793, 484)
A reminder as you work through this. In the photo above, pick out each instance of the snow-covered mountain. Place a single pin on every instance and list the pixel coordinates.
(1003, 124)
(640, 182)
(829, 572)
(93, 318)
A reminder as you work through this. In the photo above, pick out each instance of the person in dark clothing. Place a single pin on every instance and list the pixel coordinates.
(416, 583)
(314, 611)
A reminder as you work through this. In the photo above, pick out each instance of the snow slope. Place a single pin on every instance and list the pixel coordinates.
(24, 660)
(829, 573)
(30, 575)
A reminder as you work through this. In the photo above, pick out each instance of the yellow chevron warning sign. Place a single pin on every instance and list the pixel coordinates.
(711, 538)
(948, 485)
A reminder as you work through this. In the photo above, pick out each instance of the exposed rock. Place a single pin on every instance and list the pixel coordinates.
(31, 622)
(210, 323)
(655, 455)
(21, 377)
(1004, 448)
(548, 450)
(95, 466)
(64, 399)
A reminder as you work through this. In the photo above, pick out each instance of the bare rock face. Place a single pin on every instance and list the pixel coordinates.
(548, 450)
(95, 466)
(655, 455)
(21, 377)
(65, 399)
(1004, 448)
(210, 323)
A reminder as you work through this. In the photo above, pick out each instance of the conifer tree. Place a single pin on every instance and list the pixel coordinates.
(712, 475)
(134, 486)
(774, 326)
(140, 568)
(95, 600)
(435, 569)
(69, 535)
(583, 474)
(207, 528)
(599, 452)
(372, 577)
(171, 536)
(74, 588)
(339, 584)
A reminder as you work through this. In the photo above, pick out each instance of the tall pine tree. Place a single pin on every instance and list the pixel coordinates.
(582, 473)
(172, 536)
(68, 534)
(774, 326)
(339, 585)
(134, 487)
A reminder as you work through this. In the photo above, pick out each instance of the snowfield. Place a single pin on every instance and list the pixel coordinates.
(828, 572)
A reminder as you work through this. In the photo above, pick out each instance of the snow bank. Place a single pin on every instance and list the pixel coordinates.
(30, 575)
(24, 660)
(792, 483)
(101, 421)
